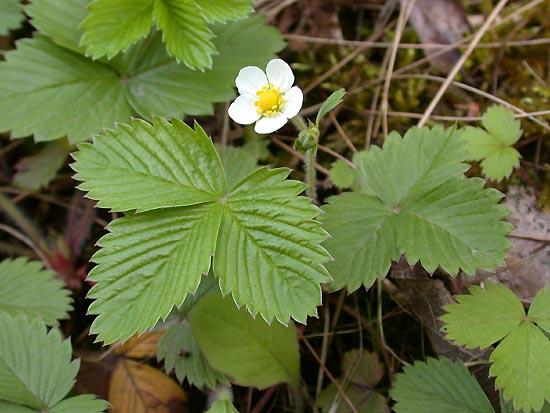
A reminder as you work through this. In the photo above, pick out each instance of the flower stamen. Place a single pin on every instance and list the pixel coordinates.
(270, 101)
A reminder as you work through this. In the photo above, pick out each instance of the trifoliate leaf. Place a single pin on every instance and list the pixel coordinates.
(35, 365)
(222, 406)
(484, 316)
(237, 163)
(414, 200)
(521, 365)
(493, 146)
(62, 92)
(148, 264)
(185, 32)
(114, 25)
(39, 170)
(180, 352)
(263, 236)
(539, 311)
(220, 11)
(59, 20)
(328, 105)
(27, 288)
(342, 174)
(520, 361)
(248, 350)
(438, 385)
(11, 16)
(155, 165)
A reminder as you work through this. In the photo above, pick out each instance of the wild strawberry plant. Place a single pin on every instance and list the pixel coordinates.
(226, 260)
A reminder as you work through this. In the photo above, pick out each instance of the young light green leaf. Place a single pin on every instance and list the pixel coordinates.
(484, 316)
(27, 288)
(328, 105)
(237, 163)
(438, 385)
(60, 21)
(264, 237)
(220, 11)
(414, 200)
(493, 146)
(114, 25)
(11, 16)
(222, 406)
(248, 350)
(268, 254)
(342, 174)
(25, 343)
(521, 365)
(63, 93)
(185, 32)
(144, 166)
(180, 352)
(539, 311)
(37, 171)
(148, 264)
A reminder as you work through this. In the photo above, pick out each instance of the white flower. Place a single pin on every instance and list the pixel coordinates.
(266, 98)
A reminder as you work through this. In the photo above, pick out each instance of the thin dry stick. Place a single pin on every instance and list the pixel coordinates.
(341, 132)
(27, 241)
(415, 115)
(297, 154)
(406, 9)
(454, 71)
(335, 154)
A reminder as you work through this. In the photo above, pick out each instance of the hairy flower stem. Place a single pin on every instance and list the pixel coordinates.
(310, 136)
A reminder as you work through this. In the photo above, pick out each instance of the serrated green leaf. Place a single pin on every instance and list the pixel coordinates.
(26, 288)
(220, 11)
(25, 343)
(180, 352)
(493, 146)
(208, 284)
(264, 237)
(148, 264)
(85, 403)
(539, 311)
(11, 16)
(222, 406)
(414, 200)
(328, 105)
(185, 32)
(484, 316)
(342, 174)
(521, 365)
(248, 350)
(15, 408)
(144, 166)
(112, 26)
(237, 163)
(438, 385)
(268, 254)
(62, 92)
(38, 170)
(59, 20)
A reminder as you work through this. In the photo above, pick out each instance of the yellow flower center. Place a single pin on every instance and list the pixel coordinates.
(270, 100)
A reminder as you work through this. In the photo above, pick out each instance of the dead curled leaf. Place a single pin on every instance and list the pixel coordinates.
(139, 388)
(141, 346)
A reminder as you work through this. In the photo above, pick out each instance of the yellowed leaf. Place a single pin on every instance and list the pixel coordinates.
(139, 388)
(140, 346)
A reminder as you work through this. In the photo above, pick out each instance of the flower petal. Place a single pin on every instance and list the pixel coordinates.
(250, 79)
(293, 102)
(243, 111)
(269, 124)
(280, 74)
